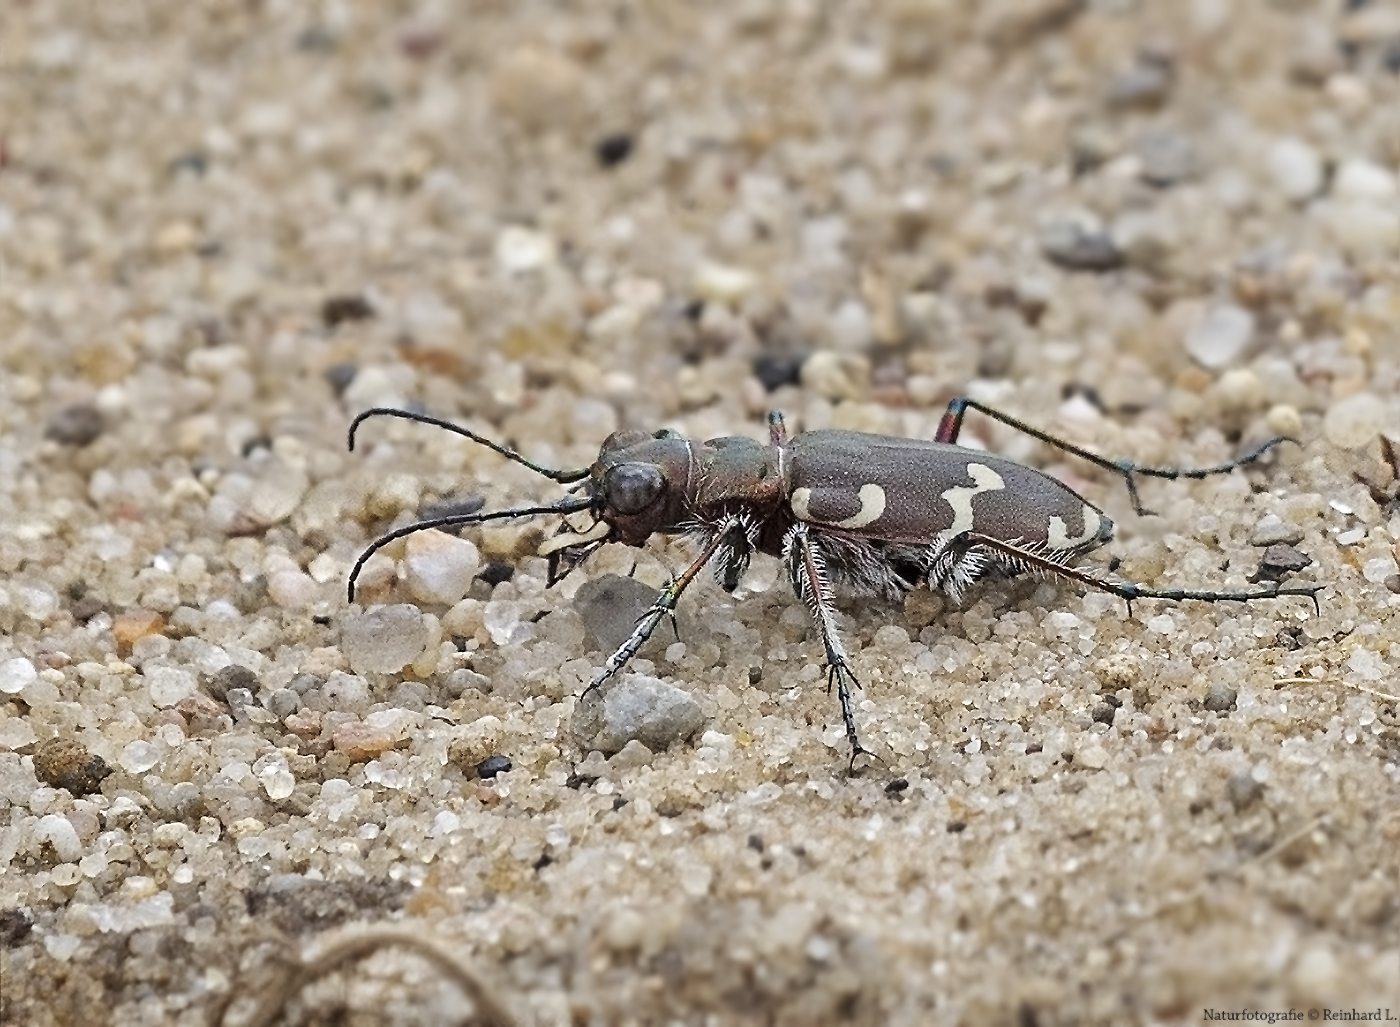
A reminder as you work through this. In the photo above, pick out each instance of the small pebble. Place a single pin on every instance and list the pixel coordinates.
(130, 627)
(1144, 86)
(610, 607)
(1273, 530)
(138, 756)
(58, 831)
(519, 250)
(1365, 181)
(1243, 790)
(438, 567)
(1280, 559)
(1104, 713)
(65, 763)
(337, 309)
(77, 425)
(16, 673)
(493, 765)
(277, 492)
(1167, 158)
(283, 702)
(1355, 421)
(1076, 246)
(360, 743)
(613, 149)
(168, 685)
(229, 678)
(719, 283)
(1221, 336)
(637, 707)
(1296, 169)
(1220, 698)
(384, 640)
(538, 87)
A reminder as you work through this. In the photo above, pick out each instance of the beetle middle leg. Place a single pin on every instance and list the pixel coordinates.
(732, 533)
(807, 569)
(951, 425)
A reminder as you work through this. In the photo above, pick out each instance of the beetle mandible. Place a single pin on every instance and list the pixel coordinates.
(870, 514)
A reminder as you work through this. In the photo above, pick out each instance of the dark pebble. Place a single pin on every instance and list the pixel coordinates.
(86, 608)
(15, 925)
(64, 763)
(1220, 699)
(1242, 790)
(1280, 559)
(192, 163)
(496, 572)
(77, 425)
(897, 786)
(336, 309)
(340, 376)
(1104, 713)
(452, 506)
(613, 149)
(492, 765)
(957, 826)
(218, 684)
(755, 675)
(775, 371)
(1392, 582)
(1076, 247)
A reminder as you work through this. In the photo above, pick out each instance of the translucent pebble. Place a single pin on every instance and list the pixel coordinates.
(59, 832)
(505, 621)
(36, 603)
(1220, 337)
(1366, 664)
(638, 706)
(292, 589)
(1296, 168)
(168, 685)
(15, 674)
(445, 823)
(277, 781)
(138, 756)
(16, 733)
(277, 492)
(1162, 624)
(1379, 569)
(93, 864)
(439, 568)
(384, 640)
(1355, 420)
(522, 249)
(61, 946)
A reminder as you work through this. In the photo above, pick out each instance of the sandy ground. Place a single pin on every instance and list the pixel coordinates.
(1164, 231)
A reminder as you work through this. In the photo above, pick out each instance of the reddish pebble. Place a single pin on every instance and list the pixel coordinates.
(130, 627)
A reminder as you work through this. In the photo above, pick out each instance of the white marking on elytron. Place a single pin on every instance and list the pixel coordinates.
(1057, 539)
(872, 507)
(959, 497)
(567, 539)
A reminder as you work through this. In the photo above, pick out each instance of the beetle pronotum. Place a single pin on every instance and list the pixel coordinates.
(869, 513)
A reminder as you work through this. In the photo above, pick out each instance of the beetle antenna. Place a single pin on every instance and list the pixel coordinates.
(564, 506)
(563, 477)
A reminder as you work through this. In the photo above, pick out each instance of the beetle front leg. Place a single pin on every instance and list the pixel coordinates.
(806, 568)
(665, 604)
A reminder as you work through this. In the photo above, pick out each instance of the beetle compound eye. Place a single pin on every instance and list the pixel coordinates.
(631, 488)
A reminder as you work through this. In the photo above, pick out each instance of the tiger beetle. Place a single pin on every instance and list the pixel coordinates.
(870, 514)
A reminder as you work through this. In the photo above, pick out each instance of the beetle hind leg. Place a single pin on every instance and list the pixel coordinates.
(951, 425)
(806, 568)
